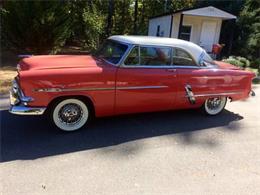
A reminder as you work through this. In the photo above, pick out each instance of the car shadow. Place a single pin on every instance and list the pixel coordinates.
(32, 137)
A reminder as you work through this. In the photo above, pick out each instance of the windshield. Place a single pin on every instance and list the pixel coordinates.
(206, 59)
(111, 51)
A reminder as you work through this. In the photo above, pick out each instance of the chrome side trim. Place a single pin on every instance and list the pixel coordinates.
(68, 89)
(216, 94)
(142, 87)
(50, 90)
(23, 110)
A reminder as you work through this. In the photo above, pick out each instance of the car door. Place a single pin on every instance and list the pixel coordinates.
(146, 81)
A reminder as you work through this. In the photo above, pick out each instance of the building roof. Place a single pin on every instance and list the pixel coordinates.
(192, 48)
(209, 11)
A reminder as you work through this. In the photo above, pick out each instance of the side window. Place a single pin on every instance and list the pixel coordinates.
(133, 57)
(155, 56)
(182, 58)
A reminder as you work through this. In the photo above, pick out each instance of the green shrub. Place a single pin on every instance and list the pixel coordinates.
(237, 61)
(255, 63)
(246, 62)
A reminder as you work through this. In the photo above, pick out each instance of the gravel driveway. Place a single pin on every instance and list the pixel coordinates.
(181, 152)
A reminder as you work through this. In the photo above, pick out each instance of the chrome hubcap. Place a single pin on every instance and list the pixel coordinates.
(213, 103)
(70, 114)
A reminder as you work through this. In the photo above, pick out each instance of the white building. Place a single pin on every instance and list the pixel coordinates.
(201, 26)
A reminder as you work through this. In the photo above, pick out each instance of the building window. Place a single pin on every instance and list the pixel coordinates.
(185, 33)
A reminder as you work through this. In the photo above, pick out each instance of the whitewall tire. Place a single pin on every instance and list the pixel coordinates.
(214, 106)
(70, 114)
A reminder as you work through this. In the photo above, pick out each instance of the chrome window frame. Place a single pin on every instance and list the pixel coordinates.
(123, 65)
(139, 56)
(191, 56)
(123, 56)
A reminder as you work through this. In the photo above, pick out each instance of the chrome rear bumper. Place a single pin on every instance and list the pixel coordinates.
(252, 93)
(24, 110)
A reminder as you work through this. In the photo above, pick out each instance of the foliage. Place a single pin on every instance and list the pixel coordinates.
(248, 39)
(35, 26)
(256, 64)
(238, 61)
(45, 26)
(93, 27)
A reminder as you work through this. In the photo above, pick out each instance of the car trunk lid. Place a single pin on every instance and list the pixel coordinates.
(225, 65)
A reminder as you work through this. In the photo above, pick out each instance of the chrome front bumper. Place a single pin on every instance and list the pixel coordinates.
(24, 110)
(19, 103)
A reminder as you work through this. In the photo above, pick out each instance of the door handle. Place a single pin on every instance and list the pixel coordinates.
(171, 70)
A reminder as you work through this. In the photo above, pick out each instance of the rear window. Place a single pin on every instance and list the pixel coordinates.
(182, 58)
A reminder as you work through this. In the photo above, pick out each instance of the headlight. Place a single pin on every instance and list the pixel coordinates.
(14, 93)
(15, 87)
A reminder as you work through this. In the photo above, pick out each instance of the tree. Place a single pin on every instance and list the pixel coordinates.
(45, 26)
(135, 16)
(109, 17)
(249, 23)
(93, 24)
(35, 26)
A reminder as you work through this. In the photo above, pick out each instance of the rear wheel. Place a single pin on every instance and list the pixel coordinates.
(214, 106)
(70, 114)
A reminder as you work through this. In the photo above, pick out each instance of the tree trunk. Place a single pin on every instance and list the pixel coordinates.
(109, 17)
(135, 17)
(123, 16)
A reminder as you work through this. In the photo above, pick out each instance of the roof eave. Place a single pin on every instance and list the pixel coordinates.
(189, 9)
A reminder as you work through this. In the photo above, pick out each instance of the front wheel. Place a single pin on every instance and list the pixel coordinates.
(70, 114)
(214, 106)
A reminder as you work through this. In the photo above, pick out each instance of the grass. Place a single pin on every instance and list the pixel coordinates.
(7, 74)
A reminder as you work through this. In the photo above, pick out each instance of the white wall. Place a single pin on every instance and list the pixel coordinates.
(165, 24)
(196, 23)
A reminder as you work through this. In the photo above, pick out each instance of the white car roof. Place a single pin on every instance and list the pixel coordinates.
(190, 47)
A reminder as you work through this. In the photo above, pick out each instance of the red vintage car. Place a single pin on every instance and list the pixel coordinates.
(129, 74)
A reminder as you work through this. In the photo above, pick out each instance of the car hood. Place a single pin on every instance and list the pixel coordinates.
(225, 65)
(43, 62)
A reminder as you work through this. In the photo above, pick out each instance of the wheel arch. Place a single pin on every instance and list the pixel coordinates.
(87, 100)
